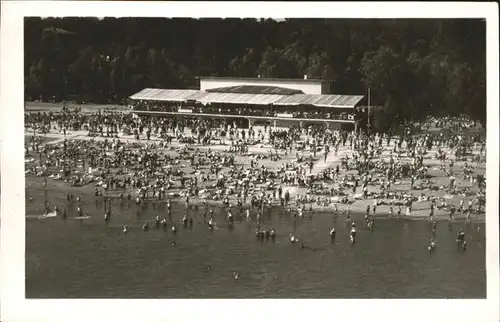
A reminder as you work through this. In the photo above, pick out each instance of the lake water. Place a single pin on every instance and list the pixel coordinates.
(85, 259)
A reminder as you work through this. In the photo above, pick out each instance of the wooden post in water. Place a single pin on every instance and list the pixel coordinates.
(45, 190)
(294, 225)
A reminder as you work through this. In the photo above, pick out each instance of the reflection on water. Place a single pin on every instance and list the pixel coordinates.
(87, 259)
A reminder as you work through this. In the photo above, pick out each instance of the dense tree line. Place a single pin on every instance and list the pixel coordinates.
(413, 67)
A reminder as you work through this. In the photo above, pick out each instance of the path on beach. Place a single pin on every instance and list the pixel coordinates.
(331, 160)
(321, 165)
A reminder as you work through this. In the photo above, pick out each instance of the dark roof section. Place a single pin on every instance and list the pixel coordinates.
(262, 79)
(255, 89)
(234, 98)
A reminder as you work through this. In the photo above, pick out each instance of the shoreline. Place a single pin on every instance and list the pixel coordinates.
(356, 210)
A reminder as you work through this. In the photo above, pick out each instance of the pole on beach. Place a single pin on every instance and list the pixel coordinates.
(369, 109)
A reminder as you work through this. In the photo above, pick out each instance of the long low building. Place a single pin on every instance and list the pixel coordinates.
(250, 103)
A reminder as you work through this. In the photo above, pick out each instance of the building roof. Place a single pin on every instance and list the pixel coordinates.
(262, 79)
(255, 89)
(206, 97)
(235, 98)
(156, 94)
(335, 101)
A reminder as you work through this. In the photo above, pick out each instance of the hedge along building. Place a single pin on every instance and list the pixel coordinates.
(254, 101)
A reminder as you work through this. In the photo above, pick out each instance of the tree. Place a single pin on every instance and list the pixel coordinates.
(414, 67)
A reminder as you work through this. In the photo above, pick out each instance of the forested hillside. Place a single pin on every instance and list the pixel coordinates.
(413, 67)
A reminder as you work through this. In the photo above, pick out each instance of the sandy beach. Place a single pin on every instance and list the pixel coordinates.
(420, 209)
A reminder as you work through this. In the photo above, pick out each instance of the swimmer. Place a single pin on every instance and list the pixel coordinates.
(164, 223)
(461, 237)
(432, 245)
(107, 216)
(352, 234)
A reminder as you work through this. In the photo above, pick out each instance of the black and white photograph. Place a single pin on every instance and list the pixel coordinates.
(239, 157)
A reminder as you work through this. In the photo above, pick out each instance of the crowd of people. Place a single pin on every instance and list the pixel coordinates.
(321, 115)
(370, 167)
(264, 111)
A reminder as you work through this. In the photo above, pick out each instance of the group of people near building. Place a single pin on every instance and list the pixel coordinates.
(248, 110)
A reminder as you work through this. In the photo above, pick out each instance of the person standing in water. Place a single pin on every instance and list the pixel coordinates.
(169, 207)
(352, 233)
(107, 216)
(287, 197)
